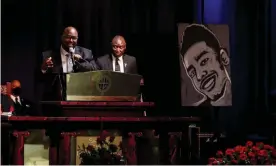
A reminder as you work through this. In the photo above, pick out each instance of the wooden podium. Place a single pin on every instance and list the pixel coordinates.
(96, 109)
(64, 120)
(63, 128)
(102, 86)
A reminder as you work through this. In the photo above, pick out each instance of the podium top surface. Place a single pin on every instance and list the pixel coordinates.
(103, 71)
(102, 119)
(99, 104)
(97, 71)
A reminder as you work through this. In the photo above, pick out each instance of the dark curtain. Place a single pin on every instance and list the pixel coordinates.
(148, 26)
(250, 64)
(250, 39)
(30, 27)
(273, 44)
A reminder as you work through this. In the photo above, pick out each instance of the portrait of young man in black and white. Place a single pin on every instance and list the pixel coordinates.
(205, 62)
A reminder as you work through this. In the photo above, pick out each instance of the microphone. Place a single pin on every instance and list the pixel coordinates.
(72, 51)
(76, 56)
(79, 57)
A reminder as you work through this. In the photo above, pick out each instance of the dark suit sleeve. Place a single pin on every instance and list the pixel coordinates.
(99, 62)
(38, 72)
(5, 103)
(45, 56)
(31, 108)
(88, 64)
(44, 80)
(134, 68)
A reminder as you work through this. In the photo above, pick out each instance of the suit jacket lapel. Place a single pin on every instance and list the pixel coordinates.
(57, 58)
(57, 61)
(109, 62)
(78, 51)
(12, 102)
(22, 101)
(125, 63)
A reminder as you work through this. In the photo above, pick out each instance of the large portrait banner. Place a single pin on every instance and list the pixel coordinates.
(205, 65)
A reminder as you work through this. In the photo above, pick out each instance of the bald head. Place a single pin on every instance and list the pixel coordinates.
(16, 87)
(70, 30)
(69, 37)
(15, 84)
(119, 40)
(118, 45)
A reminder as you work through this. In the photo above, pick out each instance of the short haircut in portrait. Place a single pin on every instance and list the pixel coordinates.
(205, 65)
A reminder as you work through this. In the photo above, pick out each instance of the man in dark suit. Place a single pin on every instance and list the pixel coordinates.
(14, 103)
(118, 61)
(67, 59)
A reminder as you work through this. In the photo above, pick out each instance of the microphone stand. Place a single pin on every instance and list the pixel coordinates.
(58, 76)
(72, 58)
(61, 86)
(73, 61)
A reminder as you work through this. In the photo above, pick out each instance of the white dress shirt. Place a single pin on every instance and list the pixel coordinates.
(66, 61)
(121, 63)
(13, 99)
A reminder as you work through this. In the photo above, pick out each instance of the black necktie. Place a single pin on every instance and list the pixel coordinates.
(17, 101)
(117, 66)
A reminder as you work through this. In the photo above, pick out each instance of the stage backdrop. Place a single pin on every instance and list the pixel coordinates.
(204, 65)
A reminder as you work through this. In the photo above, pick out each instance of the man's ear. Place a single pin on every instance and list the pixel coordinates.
(225, 60)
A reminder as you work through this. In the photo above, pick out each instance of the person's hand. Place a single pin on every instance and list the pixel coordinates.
(48, 63)
(77, 56)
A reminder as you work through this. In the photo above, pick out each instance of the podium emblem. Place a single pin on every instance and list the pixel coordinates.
(104, 83)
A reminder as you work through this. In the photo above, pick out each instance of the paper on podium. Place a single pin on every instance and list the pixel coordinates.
(6, 114)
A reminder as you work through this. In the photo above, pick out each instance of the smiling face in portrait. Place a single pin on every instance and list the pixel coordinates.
(204, 69)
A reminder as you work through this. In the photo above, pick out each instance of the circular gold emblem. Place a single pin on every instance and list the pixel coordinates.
(103, 83)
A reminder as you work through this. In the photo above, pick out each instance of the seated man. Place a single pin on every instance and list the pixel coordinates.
(14, 103)
(118, 61)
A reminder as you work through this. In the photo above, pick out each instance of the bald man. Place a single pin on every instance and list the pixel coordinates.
(117, 60)
(14, 103)
(61, 61)
(68, 58)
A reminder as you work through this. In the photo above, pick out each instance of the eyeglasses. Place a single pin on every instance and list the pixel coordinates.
(70, 37)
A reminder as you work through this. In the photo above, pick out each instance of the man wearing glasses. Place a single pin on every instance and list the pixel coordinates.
(70, 57)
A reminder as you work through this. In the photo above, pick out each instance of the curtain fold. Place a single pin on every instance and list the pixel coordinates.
(31, 27)
(250, 58)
